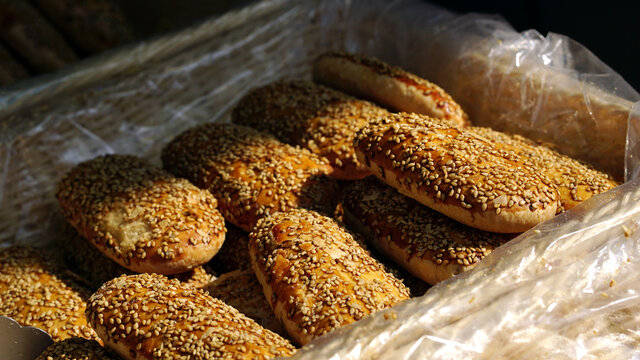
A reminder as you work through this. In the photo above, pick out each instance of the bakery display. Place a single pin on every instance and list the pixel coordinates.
(35, 292)
(312, 116)
(241, 290)
(575, 180)
(426, 243)
(315, 275)
(250, 173)
(149, 316)
(77, 349)
(388, 85)
(141, 216)
(457, 173)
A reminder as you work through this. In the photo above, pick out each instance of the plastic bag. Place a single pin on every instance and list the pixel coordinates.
(562, 290)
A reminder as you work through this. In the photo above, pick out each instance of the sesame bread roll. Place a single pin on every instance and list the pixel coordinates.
(94, 268)
(35, 292)
(141, 216)
(250, 173)
(241, 289)
(92, 25)
(148, 316)
(312, 116)
(315, 275)
(576, 181)
(77, 349)
(32, 38)
(426, 243)
(234, 253)
(456, 173)
(387, 85)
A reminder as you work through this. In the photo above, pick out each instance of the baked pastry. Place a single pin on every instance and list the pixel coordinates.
(92, 25)
(250, 173)
(576, 181)
(426, 243)
(315, 275)
(457, 173)
(77, 349)
(241, 289)
(234, 253)
(34, 292)
(312, 116)
(387, 85)
(93, 268)
(141, 216)
(149, 316)
(29, 35)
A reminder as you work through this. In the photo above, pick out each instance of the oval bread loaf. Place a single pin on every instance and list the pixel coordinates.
(315, 275)
(388, 85)
(241, 289)
(312, 116)
(141, 216)
(250, 173)
(94, 268)
(77, 349)
(456, 173)
(34, 292)
(426, 243)
(148, 316)
(576, 181)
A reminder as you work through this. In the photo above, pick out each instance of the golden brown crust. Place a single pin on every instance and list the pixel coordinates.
(312, 116)
(234, 254)
(457, 173)
(149, 316)
(140, 216)
(250, 173)
(94, 268)
(428, 244)
(77, 349)
(315, 275)
(241, 289)
(388, 85)
(576, 181)
(34, 292)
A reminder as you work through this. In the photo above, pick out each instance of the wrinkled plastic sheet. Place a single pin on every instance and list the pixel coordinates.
(564, 290)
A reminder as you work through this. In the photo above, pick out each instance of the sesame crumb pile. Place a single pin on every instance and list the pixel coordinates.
(319, 277)
(151, 316)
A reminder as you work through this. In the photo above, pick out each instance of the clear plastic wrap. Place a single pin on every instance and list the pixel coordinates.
(564, 290)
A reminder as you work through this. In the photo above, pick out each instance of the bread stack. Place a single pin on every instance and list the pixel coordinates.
(446, 195)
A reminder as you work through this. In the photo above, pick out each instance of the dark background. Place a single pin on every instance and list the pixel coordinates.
(610, 29)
